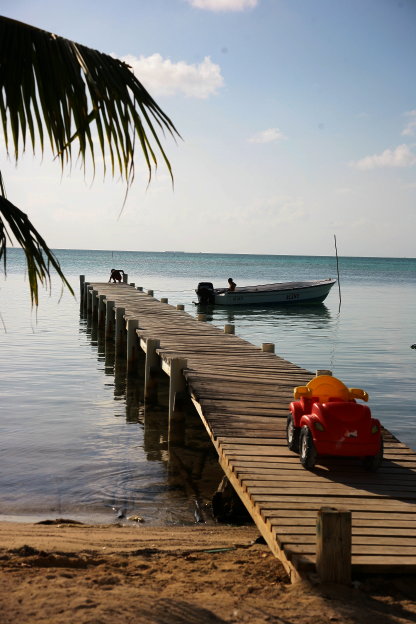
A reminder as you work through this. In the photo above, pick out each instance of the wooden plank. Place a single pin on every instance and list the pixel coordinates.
(324, 485)
(358, 549)
(370, 523)
(370, 535)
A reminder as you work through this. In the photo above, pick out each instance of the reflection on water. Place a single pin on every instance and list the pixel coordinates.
(270, 314)
(77, 441)
(192, 472)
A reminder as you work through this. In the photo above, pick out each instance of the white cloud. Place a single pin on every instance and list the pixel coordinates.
(402, 156)
(224, 5)
(410, 129)
(163, 77)
(267, 136)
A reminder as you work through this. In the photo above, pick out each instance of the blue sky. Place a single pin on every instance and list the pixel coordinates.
(298, 120)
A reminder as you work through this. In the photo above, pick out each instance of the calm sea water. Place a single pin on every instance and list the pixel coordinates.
(74, 440)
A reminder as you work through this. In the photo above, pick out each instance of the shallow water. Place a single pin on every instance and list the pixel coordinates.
(76, 442)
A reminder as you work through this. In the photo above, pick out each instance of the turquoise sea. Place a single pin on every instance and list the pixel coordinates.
(73, 436)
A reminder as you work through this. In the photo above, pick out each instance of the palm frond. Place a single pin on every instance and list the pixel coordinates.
(60, 88)
(54, 89)
(39, 257)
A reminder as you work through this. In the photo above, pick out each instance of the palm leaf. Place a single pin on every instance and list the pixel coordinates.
(39, 257)
(53, 88)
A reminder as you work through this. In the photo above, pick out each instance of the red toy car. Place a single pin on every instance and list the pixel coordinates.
(325, 419)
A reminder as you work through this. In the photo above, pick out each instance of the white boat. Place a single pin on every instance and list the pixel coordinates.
(265, 294)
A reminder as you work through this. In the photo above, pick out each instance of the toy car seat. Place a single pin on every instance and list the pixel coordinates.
(325, 388)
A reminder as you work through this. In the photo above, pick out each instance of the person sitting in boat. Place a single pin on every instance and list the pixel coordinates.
(116, 276)
(231, 284)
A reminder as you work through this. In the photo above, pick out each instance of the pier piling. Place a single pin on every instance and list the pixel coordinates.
(152, 367)
(109, 319)
(177, 387)
(120, 328)
(132, 344)
(101, 311)
(333, 545)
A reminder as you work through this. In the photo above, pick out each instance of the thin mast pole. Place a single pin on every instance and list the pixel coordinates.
(339, 285)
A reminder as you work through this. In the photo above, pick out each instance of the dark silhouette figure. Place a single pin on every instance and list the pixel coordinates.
(231, 285)
(116, 275)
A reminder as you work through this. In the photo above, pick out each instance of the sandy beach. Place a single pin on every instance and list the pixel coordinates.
(65, 572)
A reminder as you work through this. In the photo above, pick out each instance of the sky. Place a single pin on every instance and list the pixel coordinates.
(297, 118)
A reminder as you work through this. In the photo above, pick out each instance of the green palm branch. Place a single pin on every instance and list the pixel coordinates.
(57, 91)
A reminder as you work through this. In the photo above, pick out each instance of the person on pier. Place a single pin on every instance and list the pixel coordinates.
(116, 276)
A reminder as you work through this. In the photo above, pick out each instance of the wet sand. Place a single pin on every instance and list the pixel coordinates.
(64, 573)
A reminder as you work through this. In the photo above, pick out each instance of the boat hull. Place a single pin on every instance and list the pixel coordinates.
(289, 293)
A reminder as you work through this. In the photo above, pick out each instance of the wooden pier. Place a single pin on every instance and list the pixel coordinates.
(337, 519)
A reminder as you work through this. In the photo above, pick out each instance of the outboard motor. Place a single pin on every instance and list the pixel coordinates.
(205, 292)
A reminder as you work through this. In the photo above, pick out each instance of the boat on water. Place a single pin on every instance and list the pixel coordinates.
(279, 293)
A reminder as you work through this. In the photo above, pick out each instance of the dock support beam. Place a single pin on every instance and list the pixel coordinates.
(120, 328)
(151, 372)
(109, 319)
(177, 386)
(132, 344)
(85, 296)
(81, 292)
(89, 299)
(94, 306)
(101, 311)
(229, 329)
(333, 545)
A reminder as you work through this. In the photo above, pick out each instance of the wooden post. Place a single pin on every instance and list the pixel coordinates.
(85, 295)
(164, 300)
(201, 317)
(81, 291)
(229, 329)
(132, 284)
(333, 545)
(151, 369)
(323, 371)
(120, 327)
(132, 344)
(101, 311)
(180, 306)
(109, 319)
(89, 299)
(139, 288)
(177, 388)
(267, 347)
(125, 278)
(94, 306)
(150, 293)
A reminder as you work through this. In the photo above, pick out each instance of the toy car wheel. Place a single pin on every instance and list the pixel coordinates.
(292, 434)
(373, 462)
(308, 452)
